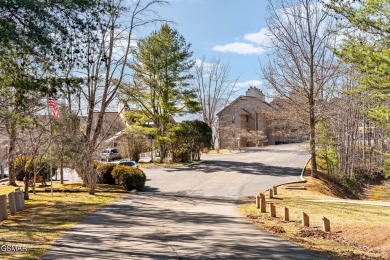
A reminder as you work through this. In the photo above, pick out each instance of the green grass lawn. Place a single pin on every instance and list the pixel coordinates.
(47, 216)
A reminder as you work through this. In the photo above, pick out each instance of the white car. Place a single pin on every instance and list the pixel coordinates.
(127, 163)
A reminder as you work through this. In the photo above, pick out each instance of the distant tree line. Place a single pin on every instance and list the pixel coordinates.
(329, 70)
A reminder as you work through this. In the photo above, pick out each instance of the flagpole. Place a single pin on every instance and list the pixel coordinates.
(51, 166)
(54, 110)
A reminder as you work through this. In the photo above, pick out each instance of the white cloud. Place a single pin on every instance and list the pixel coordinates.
(263, 37)
(249, 83)
(239, 48)
(253, 43)
(199, 63)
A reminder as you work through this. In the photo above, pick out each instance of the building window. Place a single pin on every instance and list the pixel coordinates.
(246, 118)
(233, 120)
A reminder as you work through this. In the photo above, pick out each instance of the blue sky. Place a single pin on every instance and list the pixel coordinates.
(232, 30)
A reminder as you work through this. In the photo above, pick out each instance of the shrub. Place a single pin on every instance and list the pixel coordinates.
(25, 164)
(139, 179)
(20, 163)
(104, 173)
(130, 178)
(117, 172)
(128, 181)
(351, 184)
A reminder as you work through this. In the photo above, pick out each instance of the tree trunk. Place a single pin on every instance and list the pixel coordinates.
(26, 192)
(34, 182)
(162, 151)
(62, 170)
(11, 154)
(313, 138)
(89, 171)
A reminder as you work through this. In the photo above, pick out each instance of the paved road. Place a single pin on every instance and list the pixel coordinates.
(190, 213)
(232, 175)
(69, 175)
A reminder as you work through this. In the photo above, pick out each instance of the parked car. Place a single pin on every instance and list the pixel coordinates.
(128, 163)
(110, 154)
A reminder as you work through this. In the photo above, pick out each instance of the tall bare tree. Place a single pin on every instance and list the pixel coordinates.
(301, 63)
(214, 89)
(108, 49)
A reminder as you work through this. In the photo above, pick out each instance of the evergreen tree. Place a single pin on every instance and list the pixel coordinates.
(366, 47)
(34, 42)
(160, 87)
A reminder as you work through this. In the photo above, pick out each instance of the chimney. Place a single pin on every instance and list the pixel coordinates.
(255, 92)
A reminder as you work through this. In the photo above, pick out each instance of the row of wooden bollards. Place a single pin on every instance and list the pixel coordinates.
(261, 204)
(15, 201)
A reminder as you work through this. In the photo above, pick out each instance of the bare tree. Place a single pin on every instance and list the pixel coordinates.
(229, 136)
(253, 136)
(36, 140)
(301, 64)
(108, 50)
(214, 89)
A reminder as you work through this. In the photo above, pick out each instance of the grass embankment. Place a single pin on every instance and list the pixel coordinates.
(223, 151)
(379, 192)
(159, 165)
(47, 216)
(357, 231)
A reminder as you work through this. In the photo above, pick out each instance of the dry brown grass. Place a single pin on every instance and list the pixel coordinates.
(379, 192)
(222, 151)
(357, 231)
(158, 165)
(46, 217)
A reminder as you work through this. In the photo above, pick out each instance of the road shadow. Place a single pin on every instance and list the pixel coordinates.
(241, 167)
(171, 227)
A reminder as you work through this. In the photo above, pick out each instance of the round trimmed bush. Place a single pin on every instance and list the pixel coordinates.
(128, 181)
(103, 173)
(130, 178)
(139, 179)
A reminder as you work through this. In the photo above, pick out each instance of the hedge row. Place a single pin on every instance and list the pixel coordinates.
(103, 173)
(130, 178)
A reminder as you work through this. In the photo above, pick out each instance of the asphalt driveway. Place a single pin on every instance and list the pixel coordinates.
(190, 213)
(232, 175)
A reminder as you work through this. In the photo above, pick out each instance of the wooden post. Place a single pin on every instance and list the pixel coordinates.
(262, 196)
(305, 220)
(18, 203)
(263, 206)
(11, 201)
(275, 190)
(3, 207)
(326, 224)
(21, 194)
(272, 210)
(257, 202)
(286, 215)
(271, 193)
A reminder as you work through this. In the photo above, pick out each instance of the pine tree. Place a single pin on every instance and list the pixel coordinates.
(161, 72)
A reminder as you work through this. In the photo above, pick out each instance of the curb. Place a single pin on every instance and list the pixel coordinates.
(194, 163)
(303, 180)
(303, 171)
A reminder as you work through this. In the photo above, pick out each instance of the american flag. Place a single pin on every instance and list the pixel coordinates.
(54, 107)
